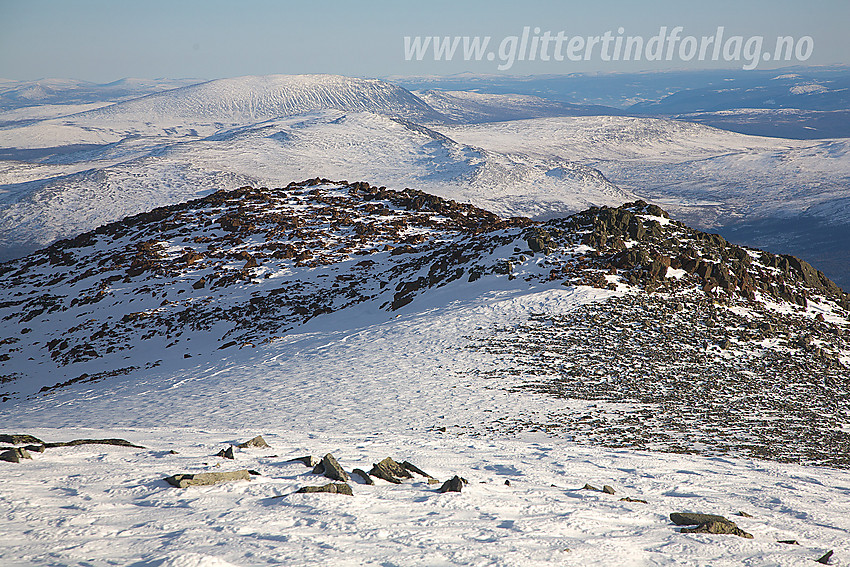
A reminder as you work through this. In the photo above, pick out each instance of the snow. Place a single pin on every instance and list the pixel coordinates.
(72, 505)
(697, 173)
(364, 384)
(51, 201)
(183, 142)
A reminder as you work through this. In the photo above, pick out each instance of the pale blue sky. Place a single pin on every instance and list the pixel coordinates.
(102, 40)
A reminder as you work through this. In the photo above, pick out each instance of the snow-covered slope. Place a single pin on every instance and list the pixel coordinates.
(22, 94)
(706, 175)
(243, 100)
(48, 201)
(369, 323)
(471, 107)
(67, 174)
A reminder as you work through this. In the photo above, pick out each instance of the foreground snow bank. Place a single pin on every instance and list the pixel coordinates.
(101, 505)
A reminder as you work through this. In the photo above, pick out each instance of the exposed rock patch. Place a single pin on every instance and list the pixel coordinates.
(332, 488)
(206, 479)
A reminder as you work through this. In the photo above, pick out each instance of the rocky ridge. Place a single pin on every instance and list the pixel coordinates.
(241, 268)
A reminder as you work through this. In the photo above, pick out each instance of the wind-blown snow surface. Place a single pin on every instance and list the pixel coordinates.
(365, 385)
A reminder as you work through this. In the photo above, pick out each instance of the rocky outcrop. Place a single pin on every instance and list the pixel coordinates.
(172, 269)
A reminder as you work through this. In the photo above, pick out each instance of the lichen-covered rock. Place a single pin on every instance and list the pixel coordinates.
(206, 479)
(390, 471)
(695, 519)
(15, 455)
(257, 442)
(332, 488)
(718, 527)
(20, 439)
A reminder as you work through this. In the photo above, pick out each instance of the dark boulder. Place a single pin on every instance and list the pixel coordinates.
(363, 475)
(15, 455)
(454, 484)
(226, 453)
(330, 468)
(390, 471)
(332, 488)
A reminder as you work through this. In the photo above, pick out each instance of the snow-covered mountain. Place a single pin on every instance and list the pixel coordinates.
(473, 107)
(62, 174)
(22, 94)
(344, 318)
(46, 201)
(789, 193)
(251, 99)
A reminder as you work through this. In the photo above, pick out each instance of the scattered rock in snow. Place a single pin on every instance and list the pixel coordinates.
(414, 469)
(76, 442)
(19, 439)
(390, 471)
(590, 487)
(695, 519)
(332, 488)
(226, 453)
(206, 479)
(307, 460)
(630, 499)
(15, 455)
(257, 442)
(788, 541)
(718, 527)
(454, 484)
(330, 468)
(744, 514)
(824, 559)
(364, 475)
(607, 489)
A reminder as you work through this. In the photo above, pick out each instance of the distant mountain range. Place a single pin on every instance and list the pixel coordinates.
(96, 153)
